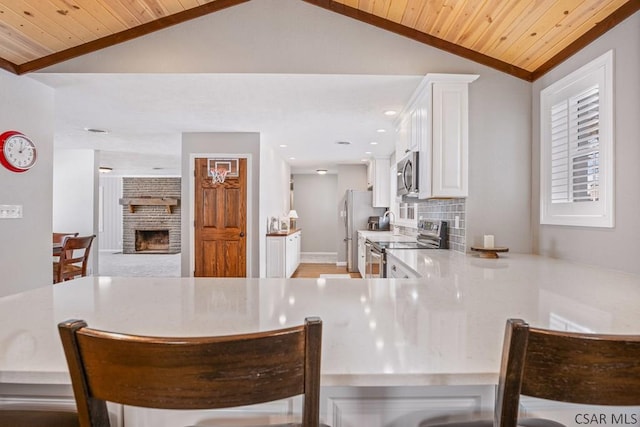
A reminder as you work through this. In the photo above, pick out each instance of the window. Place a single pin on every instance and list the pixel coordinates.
(576, 137)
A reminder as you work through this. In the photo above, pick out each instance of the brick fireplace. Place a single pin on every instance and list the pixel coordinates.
(152, 241)
(151, 215)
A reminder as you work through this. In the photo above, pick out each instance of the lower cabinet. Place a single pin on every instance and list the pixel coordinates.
(283, 254)
(343, 407)
(397, 270)
(362, 254)
(405, 406)
(281, 411)
(48, 397)
(340, 406)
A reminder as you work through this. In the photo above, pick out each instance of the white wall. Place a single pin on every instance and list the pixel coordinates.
(499, 201)
(275, 175)
(314, 197)
(619, 247)
(209, 144)
(75, 196)
(25, 254)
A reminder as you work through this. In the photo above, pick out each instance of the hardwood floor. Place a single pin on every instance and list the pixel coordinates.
(315, 270)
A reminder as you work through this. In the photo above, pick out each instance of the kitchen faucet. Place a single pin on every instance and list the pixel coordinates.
(391, 226)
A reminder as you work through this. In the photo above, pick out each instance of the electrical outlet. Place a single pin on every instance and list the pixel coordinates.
(10, 211)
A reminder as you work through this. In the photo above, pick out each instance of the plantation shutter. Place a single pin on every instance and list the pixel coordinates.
(575, 148)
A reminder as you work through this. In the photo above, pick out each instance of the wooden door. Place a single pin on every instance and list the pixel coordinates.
(220, 223)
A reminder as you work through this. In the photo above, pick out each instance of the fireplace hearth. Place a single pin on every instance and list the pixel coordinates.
(156, 241)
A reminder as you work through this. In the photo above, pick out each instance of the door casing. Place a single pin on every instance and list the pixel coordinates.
(250, 208)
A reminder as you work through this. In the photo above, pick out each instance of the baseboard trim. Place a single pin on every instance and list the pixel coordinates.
(341, 263)
(318, 257)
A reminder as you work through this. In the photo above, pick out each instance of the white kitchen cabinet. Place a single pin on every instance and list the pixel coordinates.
(280, 410)
(362, 254)
(283, 254)
(378, 170)
(435, 123)
(410, 129)
(403, 133)
(43, 396)
(292, 250)
(416, 132)
(341, 407)
(397, 270)
(404, 406)
(450, 141)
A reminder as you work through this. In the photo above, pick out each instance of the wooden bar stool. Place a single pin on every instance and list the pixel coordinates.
(192, 372)
(589, 369)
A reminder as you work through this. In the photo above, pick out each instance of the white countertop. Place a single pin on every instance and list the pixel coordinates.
(443, 329)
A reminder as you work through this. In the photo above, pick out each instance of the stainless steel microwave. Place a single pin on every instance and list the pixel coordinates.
(408, 175)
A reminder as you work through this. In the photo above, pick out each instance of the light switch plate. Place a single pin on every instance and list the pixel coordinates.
(10, 211)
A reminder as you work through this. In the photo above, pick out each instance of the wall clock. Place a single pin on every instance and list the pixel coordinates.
(17, 151)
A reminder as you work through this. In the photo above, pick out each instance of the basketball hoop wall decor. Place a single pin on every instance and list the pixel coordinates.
(220, 169)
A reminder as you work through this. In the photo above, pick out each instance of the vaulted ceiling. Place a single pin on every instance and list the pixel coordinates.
(525, 38)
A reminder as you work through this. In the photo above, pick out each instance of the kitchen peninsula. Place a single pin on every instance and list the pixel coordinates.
(406, 350)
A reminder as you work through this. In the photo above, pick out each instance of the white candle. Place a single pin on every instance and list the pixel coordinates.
(488, 240)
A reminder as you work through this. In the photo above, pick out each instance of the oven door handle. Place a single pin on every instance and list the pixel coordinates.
(376, 258)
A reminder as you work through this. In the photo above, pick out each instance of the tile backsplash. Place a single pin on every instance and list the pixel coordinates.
(447, 210)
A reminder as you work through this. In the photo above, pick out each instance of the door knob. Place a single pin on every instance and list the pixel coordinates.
(242, 234)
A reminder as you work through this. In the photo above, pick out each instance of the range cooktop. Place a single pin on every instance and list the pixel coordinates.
(432, 234)
(400, 245)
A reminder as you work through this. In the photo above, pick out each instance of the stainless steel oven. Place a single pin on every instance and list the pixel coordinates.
(432, 234)
(374, 263)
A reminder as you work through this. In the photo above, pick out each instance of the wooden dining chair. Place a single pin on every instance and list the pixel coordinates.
(59, 239)
(193, 372)
(571, 367)
(74, 258)
(37, 418)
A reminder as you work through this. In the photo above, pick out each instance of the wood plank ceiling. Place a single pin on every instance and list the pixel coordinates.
(525, 38)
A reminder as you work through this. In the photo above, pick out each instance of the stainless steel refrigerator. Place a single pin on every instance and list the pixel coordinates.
(357, 210)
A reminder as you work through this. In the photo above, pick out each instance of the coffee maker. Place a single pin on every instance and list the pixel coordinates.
(378, 223)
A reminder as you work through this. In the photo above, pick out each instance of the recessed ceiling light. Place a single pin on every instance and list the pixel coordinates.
(292, 158)
(373, 143)
(364, 160)
(343, 143)
(104, 169)
(390, 113)
(95, 130)
(321, 171)
(367, 152)
(283, 145)
(381, 130)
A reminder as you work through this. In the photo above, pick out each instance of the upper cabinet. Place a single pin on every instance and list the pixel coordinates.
(435, 123)
(378, 180)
